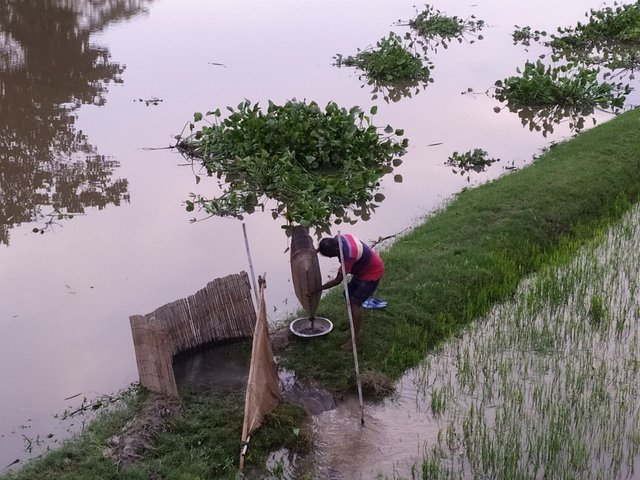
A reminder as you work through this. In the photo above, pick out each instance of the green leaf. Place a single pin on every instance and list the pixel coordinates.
(197, 117)
(312, 162)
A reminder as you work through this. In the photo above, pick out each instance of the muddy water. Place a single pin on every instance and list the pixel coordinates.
(87, 87)
(391, 439)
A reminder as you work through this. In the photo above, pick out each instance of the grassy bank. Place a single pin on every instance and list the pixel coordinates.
(453, 267)
(199, 439)
(445, 273)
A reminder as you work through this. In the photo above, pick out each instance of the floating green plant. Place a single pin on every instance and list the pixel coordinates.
(569, 84)
(476, 160)
(610, 39)
(619, 25)
(391, 61)
(430, 23)
(545, 96)
(524, 35)
(315, 164)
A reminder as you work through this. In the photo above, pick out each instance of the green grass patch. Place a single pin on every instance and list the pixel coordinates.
(201, 442)
(467, 257)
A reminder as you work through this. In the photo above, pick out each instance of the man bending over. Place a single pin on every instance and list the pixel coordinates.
(366, 269)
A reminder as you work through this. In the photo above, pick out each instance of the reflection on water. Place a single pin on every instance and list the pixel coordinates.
(545, 119)
(395, 92)
(48, 69)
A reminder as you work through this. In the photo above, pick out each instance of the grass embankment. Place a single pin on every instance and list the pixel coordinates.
(439, 277)
(200, 441)
(473, 253)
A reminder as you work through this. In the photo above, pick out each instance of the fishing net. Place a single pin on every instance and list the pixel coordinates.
(263, 388)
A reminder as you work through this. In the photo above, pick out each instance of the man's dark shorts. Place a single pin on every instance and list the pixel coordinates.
(360, 290)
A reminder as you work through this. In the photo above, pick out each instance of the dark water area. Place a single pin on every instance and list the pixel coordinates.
(220, 367)
(225, 368)
(93, 226)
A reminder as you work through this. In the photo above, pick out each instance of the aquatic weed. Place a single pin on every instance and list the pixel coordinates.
(430, 23)
(315, 164)
(539, 85)
(389, 61)
(524, 35)
(546, 96)
(476, 160)
(605, 26)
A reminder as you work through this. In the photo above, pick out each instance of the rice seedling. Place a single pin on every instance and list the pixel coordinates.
(555, 371)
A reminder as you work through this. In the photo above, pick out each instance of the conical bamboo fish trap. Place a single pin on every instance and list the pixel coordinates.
(305, 270)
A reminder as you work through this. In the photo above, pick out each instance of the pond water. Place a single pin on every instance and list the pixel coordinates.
(88, 89)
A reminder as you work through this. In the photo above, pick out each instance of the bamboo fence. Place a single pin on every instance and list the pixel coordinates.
(220, 312)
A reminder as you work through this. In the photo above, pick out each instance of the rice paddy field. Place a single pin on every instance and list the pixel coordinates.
(546, 386)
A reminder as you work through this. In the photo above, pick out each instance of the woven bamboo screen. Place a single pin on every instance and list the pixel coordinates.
(220, 312)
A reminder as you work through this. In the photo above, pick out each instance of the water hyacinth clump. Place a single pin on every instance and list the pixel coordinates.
(546, 96)
(548, 385)
(308, 165)
(619, 25)
(539, 85)
(389, 61)
(476, 160)
(524, 35)
(431, 23)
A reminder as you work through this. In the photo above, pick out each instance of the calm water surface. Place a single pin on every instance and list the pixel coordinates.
(86, 88)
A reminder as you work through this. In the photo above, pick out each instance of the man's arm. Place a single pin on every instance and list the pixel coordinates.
(329, 284)
(334, 282)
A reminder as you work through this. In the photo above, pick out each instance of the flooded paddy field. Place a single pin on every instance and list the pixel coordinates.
(546, 386)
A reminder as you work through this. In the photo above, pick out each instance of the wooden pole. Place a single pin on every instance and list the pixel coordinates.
(253, 275)
(353, 333)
